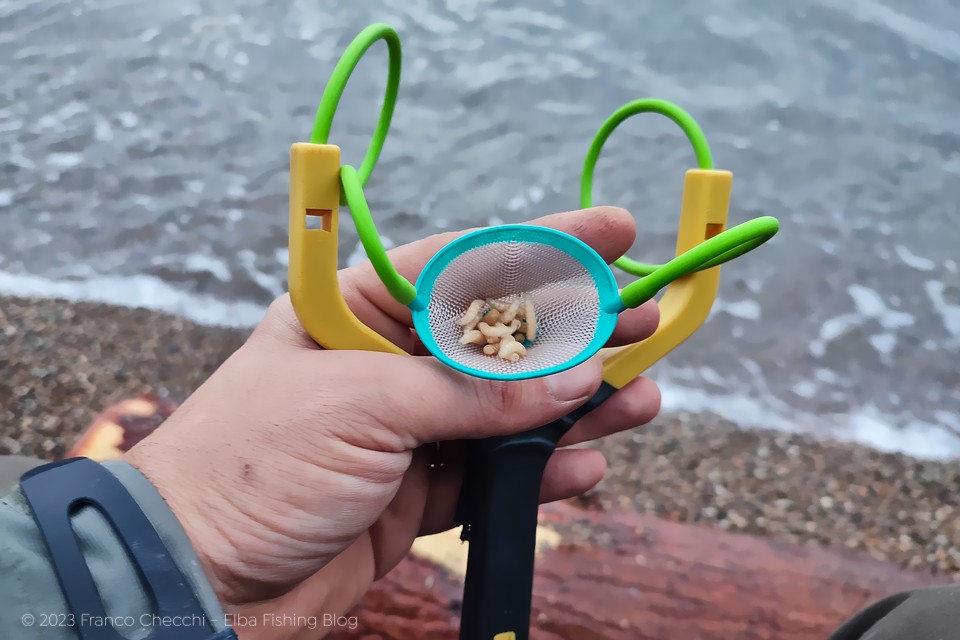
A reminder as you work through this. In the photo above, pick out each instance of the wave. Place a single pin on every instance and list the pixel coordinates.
(136, 291)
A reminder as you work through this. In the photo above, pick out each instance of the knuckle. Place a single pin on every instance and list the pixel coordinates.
(504, 397)
(611, 211)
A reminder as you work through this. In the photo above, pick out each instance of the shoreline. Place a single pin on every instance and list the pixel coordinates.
(64, 362)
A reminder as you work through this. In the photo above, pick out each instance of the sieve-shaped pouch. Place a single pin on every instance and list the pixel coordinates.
(568, 284)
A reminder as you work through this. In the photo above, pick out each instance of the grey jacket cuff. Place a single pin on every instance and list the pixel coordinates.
(34, 606)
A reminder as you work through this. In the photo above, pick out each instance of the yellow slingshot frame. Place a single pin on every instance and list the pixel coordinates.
(321, 309)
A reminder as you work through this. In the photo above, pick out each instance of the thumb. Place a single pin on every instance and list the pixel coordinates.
(426, 401)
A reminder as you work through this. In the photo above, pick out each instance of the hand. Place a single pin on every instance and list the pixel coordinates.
(302, 475)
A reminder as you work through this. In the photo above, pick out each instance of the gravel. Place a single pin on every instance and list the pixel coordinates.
(699, 468)
(64, 362)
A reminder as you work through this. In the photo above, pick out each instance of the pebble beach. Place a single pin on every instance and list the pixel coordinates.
(64, 362)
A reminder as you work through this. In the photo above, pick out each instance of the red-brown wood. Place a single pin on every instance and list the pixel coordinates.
(652, 579)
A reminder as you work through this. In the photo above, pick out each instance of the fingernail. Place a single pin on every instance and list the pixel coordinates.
(573, 384)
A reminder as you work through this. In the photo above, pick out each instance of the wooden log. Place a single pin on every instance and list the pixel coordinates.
(644, 578)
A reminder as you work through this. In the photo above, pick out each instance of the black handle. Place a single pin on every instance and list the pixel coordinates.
(498, 509)
(503, 534)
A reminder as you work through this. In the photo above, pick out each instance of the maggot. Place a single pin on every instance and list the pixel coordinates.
(531, 318)
(496, 304)
(499, 330)
(491, 317)
(472, 314)
(512, 351)
(473, 337)
(511, 312)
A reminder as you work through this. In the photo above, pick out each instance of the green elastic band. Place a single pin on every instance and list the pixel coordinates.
(647, 105)
(730, 244)
(338, 82)
(398, 286)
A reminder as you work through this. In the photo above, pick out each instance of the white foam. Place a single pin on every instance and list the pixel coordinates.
(829, 376)
(832, 329)
(102, 130)
(711, 376)
(742, 409)
(943, 42)
(64, 159)
(564, 108)
(61, 115)
(356, 256)
(214, 266)
(521, 201)
(149, 34)
(734, 28)
(128, 119)
(884, 343)
(912, 260)
(805, 389)
(743, 309)
(136, 291)
(248, 261)
(870, 304)
(949, 312)
(865, 425)
(921, 439)
(835, 327)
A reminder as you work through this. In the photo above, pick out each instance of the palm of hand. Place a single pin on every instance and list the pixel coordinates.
(316, 466)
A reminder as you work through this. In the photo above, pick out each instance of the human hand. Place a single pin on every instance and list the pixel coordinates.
(302, 475)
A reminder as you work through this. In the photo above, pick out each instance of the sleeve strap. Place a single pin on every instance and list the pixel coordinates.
(55, 492)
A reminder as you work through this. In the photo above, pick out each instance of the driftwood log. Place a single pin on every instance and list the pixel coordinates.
(651, 579)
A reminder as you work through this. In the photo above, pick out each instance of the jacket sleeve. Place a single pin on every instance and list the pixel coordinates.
(31, 603)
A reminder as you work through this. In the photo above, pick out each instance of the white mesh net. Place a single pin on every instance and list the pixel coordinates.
(563, 293)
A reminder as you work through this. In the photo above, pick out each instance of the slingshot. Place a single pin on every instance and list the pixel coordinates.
(499, 500)
(568, 283)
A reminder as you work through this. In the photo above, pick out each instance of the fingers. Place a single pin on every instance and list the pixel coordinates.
(409, 401)
(634, 325)
(638, 402)
(570, 473)
(609, 230)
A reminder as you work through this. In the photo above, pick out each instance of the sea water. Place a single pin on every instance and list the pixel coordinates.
(144, 149)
